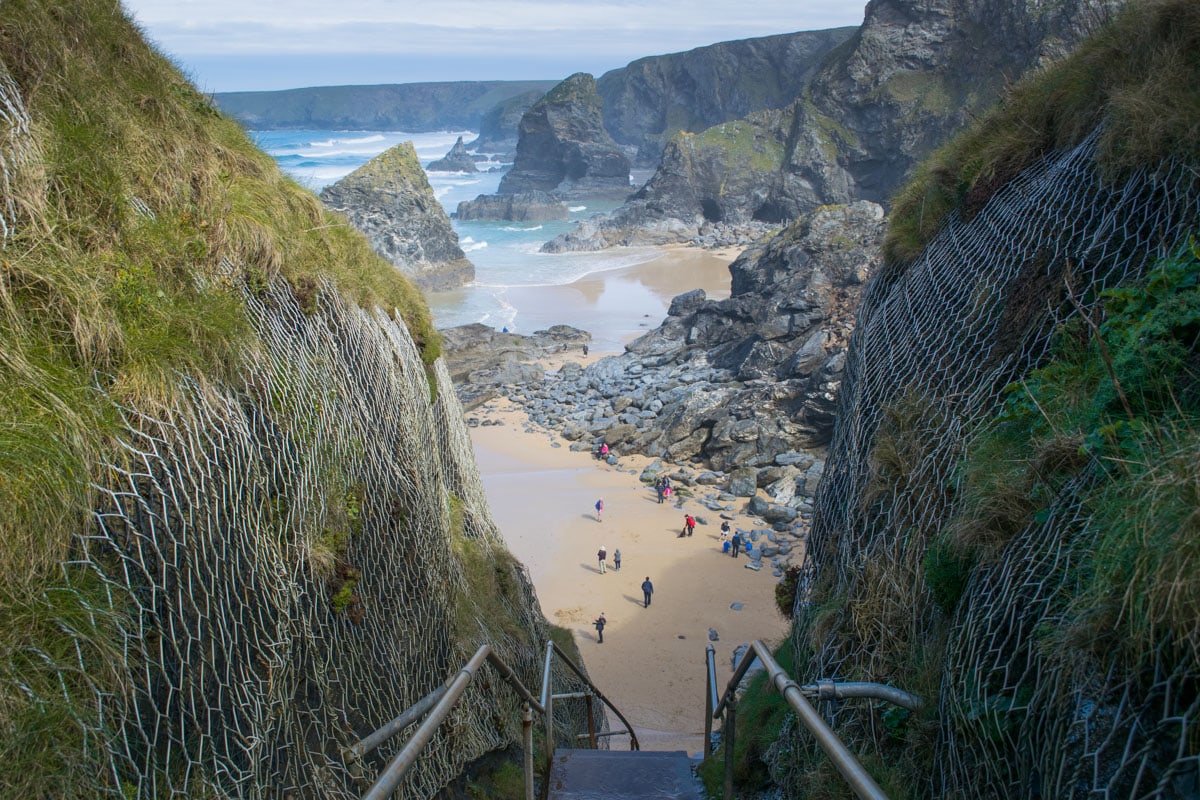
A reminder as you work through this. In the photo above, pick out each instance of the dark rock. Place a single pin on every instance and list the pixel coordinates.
(390, 200)
(457, 160)
(522, 207)
(563, 146)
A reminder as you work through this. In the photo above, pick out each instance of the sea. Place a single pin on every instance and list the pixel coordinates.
(505, 254)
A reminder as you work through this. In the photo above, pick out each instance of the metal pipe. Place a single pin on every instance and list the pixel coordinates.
(710, 695)
(591, 716)
(633, 741)
(548, 704)
(415, 712)
(572, 695)
(827, 689)
(512, 680)
(527, 741)
(391, 777)
(728, 738)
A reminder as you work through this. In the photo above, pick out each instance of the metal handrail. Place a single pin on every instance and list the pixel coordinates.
(852, 771)
(442, 700)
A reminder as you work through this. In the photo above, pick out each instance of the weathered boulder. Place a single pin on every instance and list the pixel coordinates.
(457, 160)
(522, 207)
(563, 146)
(390, 200)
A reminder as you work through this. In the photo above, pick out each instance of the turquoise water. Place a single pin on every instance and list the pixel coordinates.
(505, 254)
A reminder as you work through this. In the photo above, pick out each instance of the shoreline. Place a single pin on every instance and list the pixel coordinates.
(651, 663)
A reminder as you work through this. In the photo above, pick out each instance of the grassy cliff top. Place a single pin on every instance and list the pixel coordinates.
(138, 214)
(1140, 77)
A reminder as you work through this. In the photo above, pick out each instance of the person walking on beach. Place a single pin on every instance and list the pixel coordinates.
(599, 508)
(690, 524)
(585, 349)
(617, 559)
(600, 623)
(647, 590)
(737, 543)
(602, 554)
(661, 488)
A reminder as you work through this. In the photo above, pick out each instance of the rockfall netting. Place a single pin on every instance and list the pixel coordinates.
(293, 563)
(935, 345)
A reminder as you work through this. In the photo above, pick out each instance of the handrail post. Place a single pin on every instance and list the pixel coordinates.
(728, 737)
(527, 742)
(591, 714)
(709, 656)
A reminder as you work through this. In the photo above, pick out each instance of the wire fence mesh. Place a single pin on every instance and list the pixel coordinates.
(935, 345)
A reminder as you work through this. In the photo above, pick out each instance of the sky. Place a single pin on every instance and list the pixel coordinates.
(236, 45)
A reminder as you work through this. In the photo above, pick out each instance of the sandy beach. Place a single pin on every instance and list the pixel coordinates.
(651, 663)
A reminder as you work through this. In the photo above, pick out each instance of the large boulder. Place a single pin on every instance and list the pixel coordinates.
(564, 147)
(390, 200)
(522, 207)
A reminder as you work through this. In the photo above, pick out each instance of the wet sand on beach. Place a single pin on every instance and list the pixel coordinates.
(651, 663)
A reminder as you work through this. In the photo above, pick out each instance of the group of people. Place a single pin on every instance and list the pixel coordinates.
(734, 544)
(663, 487)
(602, 556)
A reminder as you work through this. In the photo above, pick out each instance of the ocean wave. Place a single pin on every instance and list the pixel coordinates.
(377, 137)
(472, 246)
(522, 230)
(576, 209)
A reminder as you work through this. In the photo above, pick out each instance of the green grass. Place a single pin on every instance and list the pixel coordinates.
(101, 303)
(1141, 76)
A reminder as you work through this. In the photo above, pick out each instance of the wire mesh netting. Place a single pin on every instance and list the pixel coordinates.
(290, 566)
(935, 345)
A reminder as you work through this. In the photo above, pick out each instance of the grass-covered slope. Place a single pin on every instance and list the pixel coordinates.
(1137, 77)
(145, 243)
(1007, 523)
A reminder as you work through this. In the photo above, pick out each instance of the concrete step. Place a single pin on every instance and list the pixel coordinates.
(623, 775)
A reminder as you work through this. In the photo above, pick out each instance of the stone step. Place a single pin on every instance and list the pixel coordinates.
(623, 775)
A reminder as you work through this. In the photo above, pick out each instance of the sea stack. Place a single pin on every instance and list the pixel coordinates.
(457, 160)
(564, 148)
(390, 200)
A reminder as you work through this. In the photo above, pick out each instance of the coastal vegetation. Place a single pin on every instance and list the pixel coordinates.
(1133, 80)
(137, 222)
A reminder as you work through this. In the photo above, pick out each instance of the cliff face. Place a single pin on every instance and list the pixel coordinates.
(1011, 478)
(564, 148)
(914, 72)
(390, 200)
(243, 527)
(498, 128)
(649, 100)
(389, 107)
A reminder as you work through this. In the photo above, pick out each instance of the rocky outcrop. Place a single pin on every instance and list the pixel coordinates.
(457, 160)
(523, 207)
(916, 71)
(482, 361)
(651, 99)
(390, 200)
(734, 383)
(416, 107)
(564, 147)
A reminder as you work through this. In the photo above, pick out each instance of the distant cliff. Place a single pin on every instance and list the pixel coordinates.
(650, 99)
(413, 107)
(916, 71)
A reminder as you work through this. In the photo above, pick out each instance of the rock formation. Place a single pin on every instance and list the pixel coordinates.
(498, 127)
(390, 200)
(483, 361)
(523, 207)
(564, 147)
(913, 73)
(457, 160)
(651, 99)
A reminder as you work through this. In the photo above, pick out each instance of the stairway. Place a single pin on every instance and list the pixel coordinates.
(623, 775)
